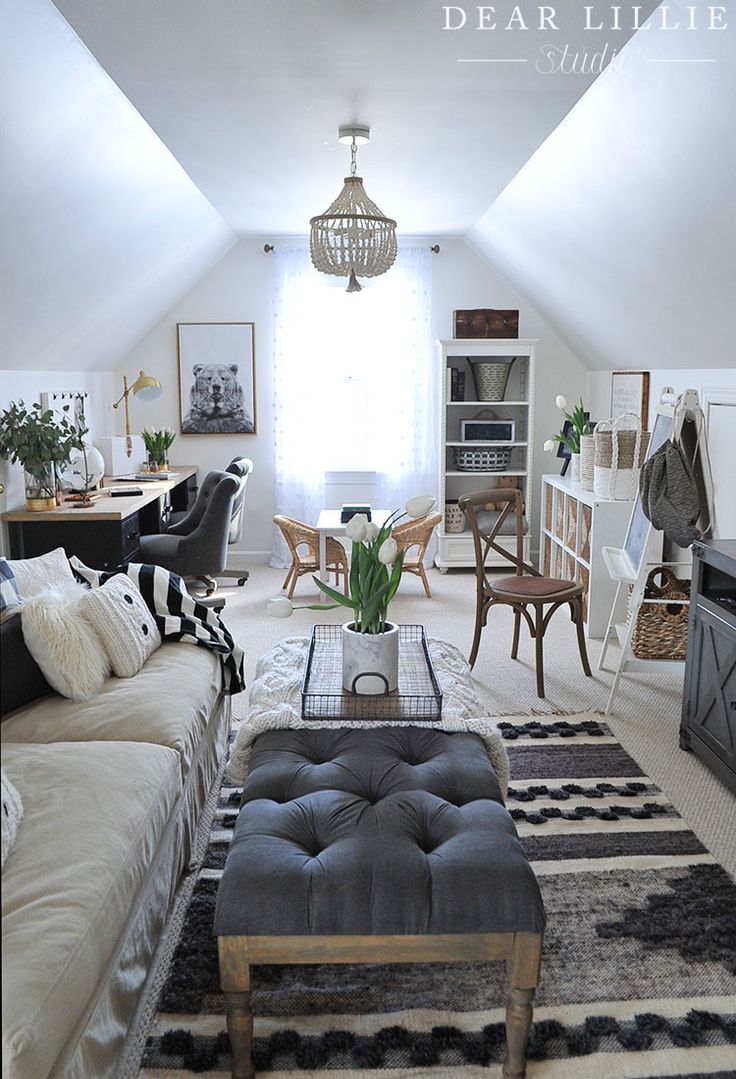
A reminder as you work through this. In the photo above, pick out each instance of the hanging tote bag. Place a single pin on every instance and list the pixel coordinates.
(619, 449)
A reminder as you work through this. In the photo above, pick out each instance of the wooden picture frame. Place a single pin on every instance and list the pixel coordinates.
(630, 393)
(217, 378)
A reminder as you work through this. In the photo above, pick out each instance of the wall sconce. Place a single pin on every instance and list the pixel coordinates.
(147, 388)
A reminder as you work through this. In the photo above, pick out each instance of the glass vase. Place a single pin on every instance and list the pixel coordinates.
(40, 484)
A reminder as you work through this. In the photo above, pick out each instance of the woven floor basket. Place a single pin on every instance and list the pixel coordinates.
(661, 628)
(490, 379)
(496, 460)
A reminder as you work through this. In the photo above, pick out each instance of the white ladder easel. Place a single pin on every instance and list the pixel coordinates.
(630, 565)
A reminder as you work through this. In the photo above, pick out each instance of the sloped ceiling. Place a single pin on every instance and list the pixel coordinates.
(249, 94)
(621, 228)
(101, 227)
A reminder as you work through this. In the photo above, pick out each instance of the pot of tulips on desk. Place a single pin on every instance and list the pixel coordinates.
(370, 643)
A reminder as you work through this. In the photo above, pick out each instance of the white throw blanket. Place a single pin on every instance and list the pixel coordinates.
(275, 703)
(12, 814)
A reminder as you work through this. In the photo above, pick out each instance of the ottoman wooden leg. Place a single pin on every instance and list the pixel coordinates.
(524, 976)
(235, 982)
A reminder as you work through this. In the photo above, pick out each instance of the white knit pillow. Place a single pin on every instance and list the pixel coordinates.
(12, 814)
(124, 623)
(35, 575)
(63, 643)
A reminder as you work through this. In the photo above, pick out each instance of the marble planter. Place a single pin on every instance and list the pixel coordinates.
(370, 661)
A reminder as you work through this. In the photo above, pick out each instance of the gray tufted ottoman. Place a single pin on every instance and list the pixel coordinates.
(383, 845)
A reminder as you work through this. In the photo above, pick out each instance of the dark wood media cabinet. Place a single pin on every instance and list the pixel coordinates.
(708, 725)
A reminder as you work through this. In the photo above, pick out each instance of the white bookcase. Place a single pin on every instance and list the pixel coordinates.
(455, 550)
(576, 525)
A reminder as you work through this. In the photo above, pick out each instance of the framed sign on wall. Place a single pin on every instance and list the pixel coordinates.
(217, 378)
(630, 393)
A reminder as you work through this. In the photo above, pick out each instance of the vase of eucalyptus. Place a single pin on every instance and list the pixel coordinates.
(39, 441)
(370, 643)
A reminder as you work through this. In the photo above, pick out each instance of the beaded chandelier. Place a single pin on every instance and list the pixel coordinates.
(352, 236)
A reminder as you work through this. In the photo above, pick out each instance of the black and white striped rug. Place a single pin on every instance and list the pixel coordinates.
(639, 969)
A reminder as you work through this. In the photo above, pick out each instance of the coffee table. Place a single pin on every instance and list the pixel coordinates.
(329, 524)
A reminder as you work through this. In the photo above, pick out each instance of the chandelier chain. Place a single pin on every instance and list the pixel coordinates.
(353, 157)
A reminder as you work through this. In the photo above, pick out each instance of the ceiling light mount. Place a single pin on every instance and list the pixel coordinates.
(353, 236)
(360, 132)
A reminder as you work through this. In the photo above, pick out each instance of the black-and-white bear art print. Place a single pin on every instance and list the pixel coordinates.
(216, 375)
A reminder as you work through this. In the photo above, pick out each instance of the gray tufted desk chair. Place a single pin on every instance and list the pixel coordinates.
(196, 546)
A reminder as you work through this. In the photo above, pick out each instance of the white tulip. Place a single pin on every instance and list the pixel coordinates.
(280, 607)
(419, 505)
(388, 550)
(561, 402)
(549, 445)
(357, 527)
(371, 531)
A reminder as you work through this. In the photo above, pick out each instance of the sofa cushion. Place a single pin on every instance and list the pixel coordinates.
(21, 679)
(94, 816)
(167, 703)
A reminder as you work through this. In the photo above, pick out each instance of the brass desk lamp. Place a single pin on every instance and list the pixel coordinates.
(147, 388)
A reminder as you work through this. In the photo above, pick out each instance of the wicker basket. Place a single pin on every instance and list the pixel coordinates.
(483, 460)
(490, 378)
(661, 628)
(454, 517)
(620, 449)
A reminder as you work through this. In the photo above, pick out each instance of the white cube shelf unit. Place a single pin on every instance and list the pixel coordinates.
(455, 550)
(576, 525)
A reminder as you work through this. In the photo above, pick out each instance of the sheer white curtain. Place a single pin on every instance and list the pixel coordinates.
(354, 383)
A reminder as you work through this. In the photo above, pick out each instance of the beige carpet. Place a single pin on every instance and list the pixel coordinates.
(646, 712)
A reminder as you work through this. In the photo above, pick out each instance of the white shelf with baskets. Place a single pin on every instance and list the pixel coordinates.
(467, 464)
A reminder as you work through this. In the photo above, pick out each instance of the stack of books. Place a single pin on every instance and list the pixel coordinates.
(455, 384)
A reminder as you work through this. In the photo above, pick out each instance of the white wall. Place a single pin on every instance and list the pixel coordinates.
(241, 288)
(102, 228)
(28, 386)
(709, 382)
(621, 228)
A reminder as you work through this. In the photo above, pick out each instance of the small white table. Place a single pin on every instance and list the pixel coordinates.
(329, 524)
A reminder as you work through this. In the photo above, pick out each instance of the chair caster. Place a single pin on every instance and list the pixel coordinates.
(243, 579)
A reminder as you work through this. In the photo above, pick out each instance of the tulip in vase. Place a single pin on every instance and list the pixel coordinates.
(370, 643)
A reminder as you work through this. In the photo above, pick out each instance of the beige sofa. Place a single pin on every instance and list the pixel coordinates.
(112, 789)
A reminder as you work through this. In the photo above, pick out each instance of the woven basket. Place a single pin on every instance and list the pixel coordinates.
(620, 448)
(661, 628)
(454, 517)
(477, 460)
(587, 461)
(490, 378)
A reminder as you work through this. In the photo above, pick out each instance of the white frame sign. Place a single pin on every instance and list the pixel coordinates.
(630, 393)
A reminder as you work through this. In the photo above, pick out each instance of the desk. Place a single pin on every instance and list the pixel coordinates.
(329, 524)
(105, 533)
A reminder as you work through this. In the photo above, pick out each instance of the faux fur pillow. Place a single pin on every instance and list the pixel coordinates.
(123, 622)
(63, 643)
(12, 814)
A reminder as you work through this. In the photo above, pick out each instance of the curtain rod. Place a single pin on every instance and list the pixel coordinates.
(268, 248)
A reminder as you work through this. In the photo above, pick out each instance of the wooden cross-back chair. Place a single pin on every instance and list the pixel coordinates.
(417, 534)
(526, 589)
(297, 534)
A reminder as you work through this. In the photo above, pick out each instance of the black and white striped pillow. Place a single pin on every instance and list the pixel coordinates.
(9, 595)
(178, 616)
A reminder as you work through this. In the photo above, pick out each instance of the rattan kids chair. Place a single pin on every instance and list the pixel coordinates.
(527, 588)
(416, 534)
(297, 534)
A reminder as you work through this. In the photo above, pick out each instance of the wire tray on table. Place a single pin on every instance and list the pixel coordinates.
(418, 695)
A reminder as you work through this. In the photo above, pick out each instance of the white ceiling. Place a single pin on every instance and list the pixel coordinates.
(248, 96)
